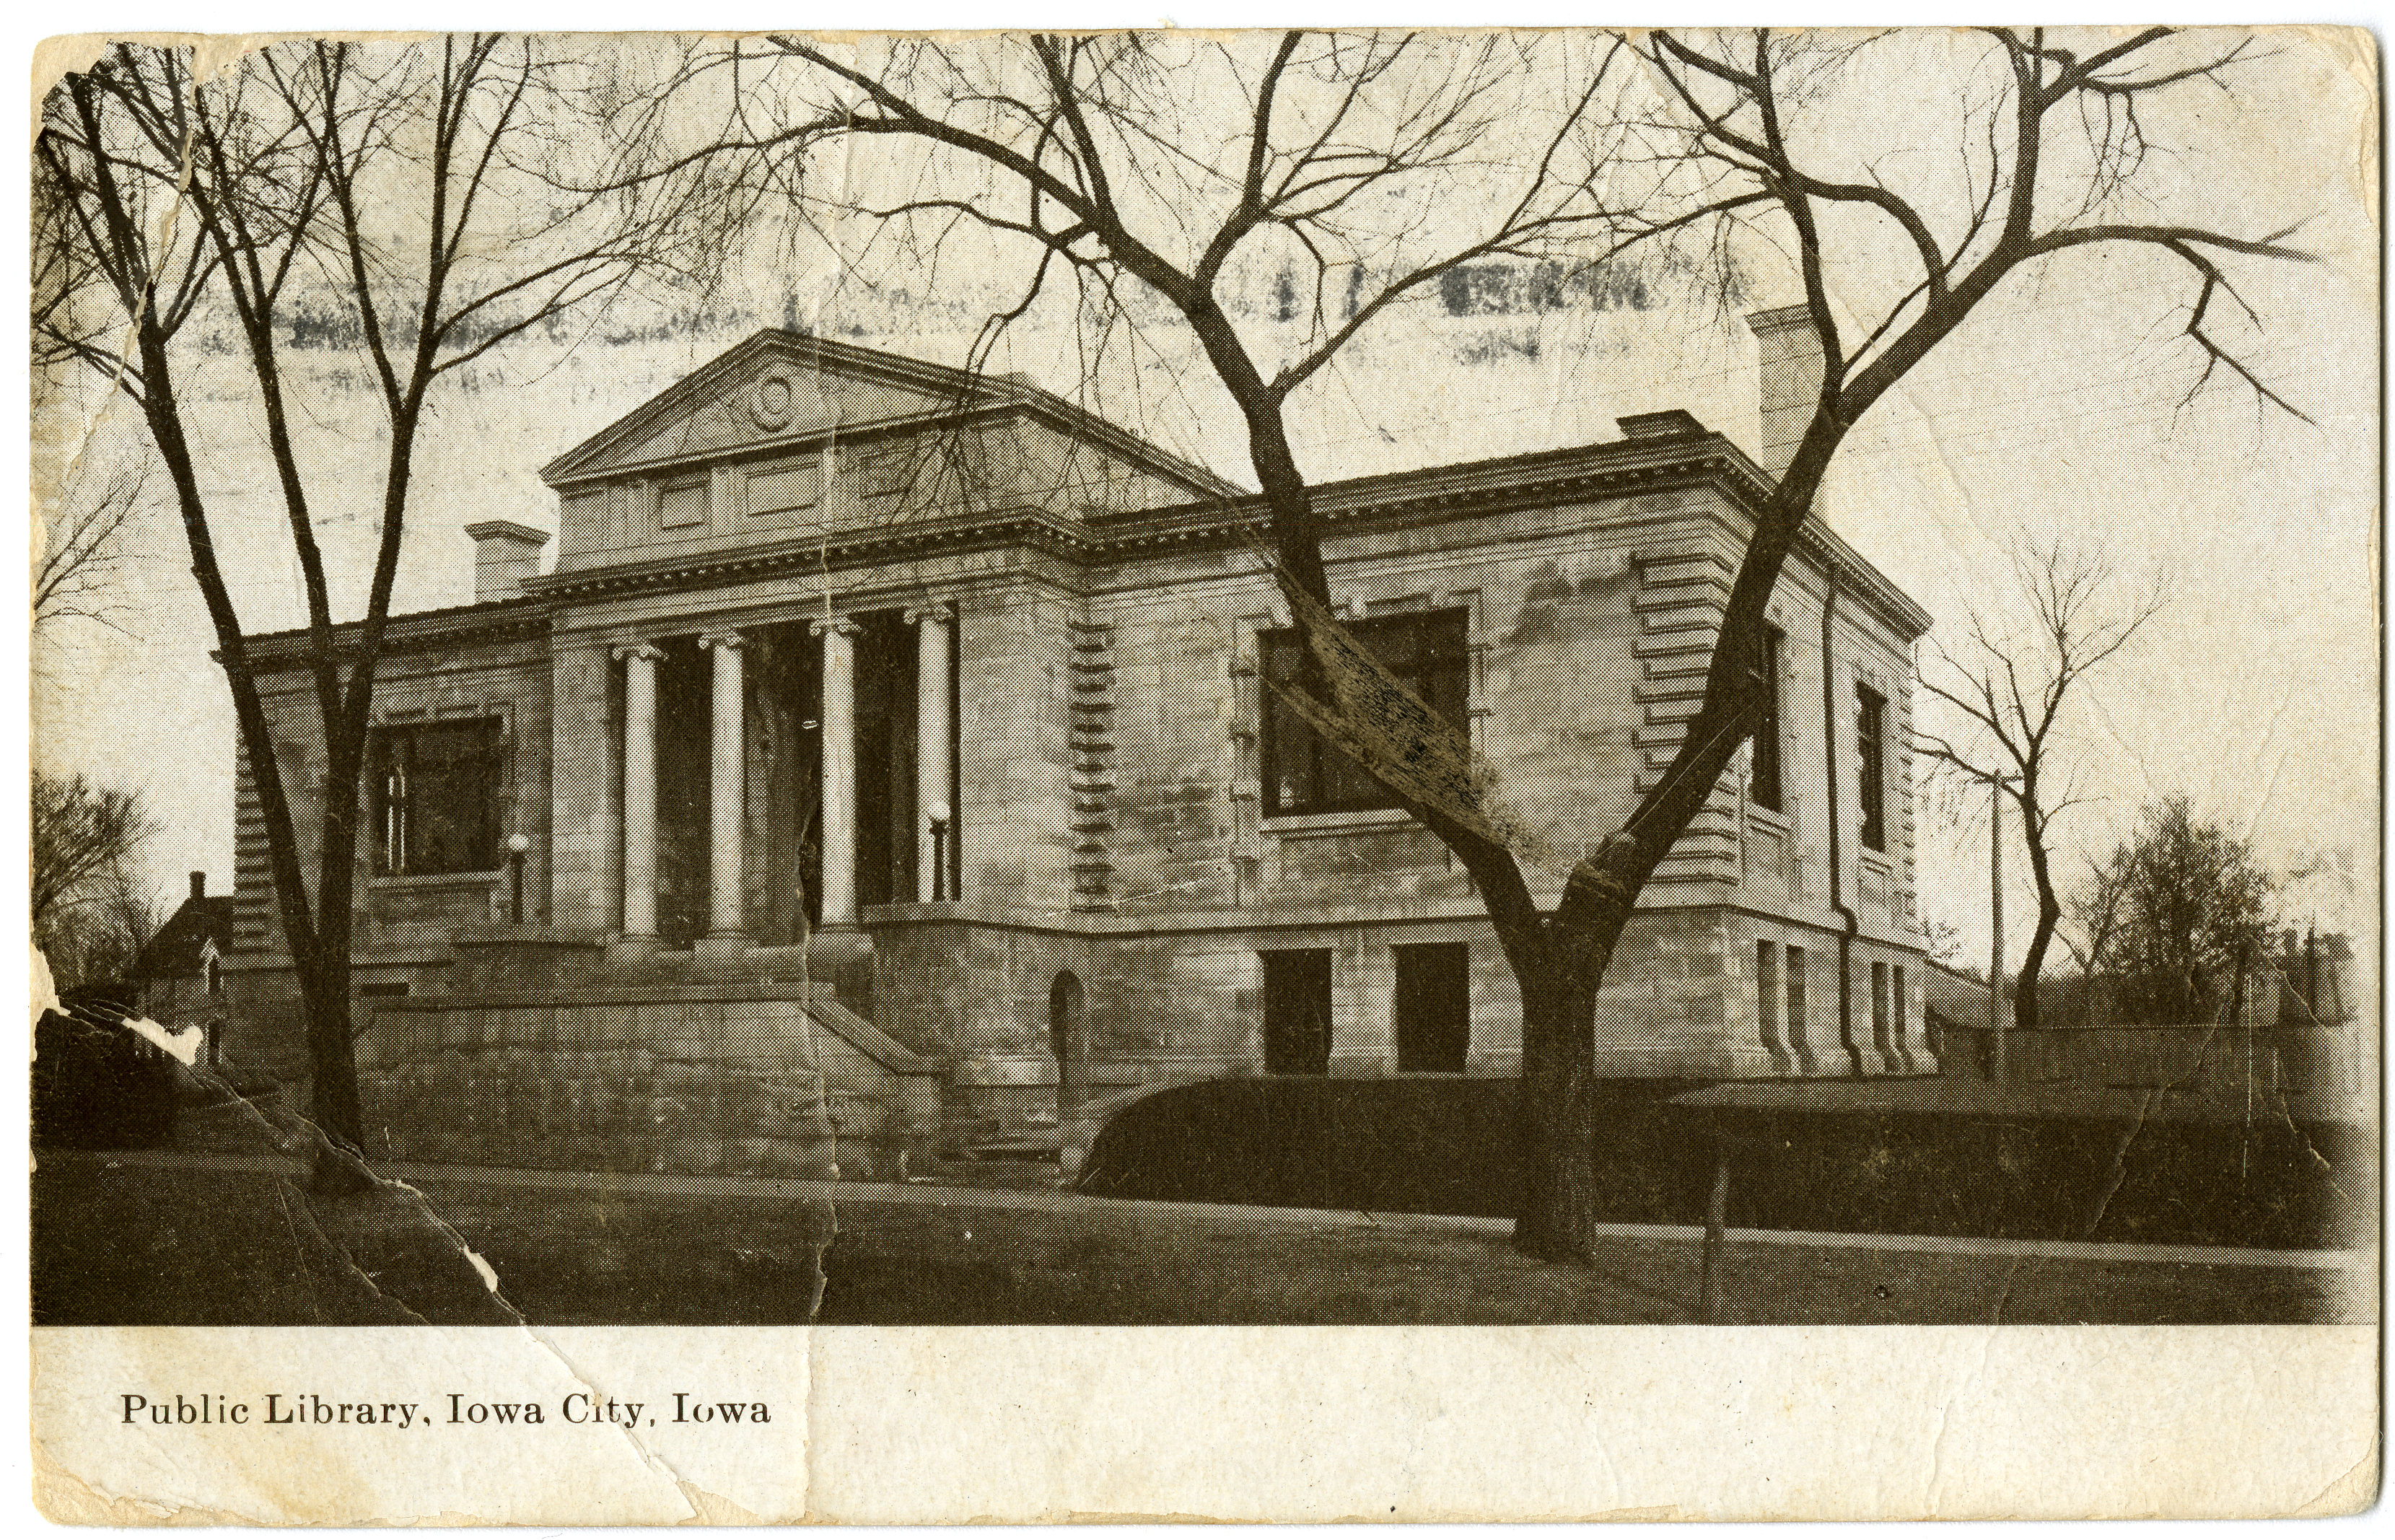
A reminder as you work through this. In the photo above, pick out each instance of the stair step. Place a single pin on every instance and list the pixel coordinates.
(1005, 1149)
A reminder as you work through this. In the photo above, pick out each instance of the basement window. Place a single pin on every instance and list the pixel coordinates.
(1433, 1007)
(1297, 1012)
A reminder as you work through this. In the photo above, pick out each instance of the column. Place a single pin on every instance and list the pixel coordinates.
(727, 784)
(933, 751)
(640, 791)
(837, 790)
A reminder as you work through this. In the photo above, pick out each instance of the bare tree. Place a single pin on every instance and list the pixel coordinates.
(2011, 685)
(408, 196)
(2186, 910)
(79, 830)
(1082, 156)
(91, 913)
(96, 941)
(79, 574)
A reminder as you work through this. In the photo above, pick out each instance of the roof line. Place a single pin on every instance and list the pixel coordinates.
(974, 391)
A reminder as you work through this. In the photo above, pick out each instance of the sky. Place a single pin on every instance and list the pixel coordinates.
(2059, 414)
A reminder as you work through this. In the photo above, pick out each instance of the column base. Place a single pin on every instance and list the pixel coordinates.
(842, 954)
(632, 948)
(721, 944)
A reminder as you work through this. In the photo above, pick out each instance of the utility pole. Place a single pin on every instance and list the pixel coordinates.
(1997, 783)
(1996, 929)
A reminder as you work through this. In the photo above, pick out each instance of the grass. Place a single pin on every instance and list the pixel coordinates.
(152, 1241)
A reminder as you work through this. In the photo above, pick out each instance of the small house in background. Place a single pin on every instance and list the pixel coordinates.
(180, 972)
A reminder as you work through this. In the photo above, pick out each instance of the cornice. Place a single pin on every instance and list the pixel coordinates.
(1364, 505)
(974, 397)
(506, 620)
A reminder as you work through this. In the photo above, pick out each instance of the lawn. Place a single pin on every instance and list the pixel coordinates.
(145, 1238)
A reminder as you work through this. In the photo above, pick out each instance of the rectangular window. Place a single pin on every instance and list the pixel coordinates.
(1896, 1006)
(1433, 1007)
(683, 505)
(785, 487)
(1796, 1001)
(436, 796)
(881, 478)
(1870, 724)
(1763, 788)
(1297, 1013)
(1880, 1040)
(1426, 651)
(1767, 997)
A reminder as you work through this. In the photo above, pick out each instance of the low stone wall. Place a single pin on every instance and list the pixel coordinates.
(743, 1080)
(2311, 1061)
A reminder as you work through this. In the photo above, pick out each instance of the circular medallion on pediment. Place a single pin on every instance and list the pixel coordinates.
(772, 400)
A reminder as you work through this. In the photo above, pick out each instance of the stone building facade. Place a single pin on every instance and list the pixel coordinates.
(890, 746)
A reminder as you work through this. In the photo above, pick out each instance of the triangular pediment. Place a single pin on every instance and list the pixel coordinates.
(778, 387)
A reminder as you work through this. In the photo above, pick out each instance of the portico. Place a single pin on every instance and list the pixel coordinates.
(783, 811)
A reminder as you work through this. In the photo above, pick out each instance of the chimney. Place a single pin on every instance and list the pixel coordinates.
(1674, 423)
(1790, 374)
(199, 884)
(505, 555)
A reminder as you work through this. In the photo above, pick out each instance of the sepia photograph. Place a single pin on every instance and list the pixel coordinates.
(1557, 678)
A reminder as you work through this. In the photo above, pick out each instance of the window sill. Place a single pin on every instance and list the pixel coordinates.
(1779, 823)
(437, 879)
(1320, 823)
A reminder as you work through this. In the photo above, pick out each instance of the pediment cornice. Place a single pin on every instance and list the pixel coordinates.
(786, 391)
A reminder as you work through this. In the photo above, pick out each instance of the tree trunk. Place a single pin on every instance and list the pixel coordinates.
(2049, 915)
(334, 1103)
(1558, 1216)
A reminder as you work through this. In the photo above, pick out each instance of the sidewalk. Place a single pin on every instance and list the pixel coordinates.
(605, 1247)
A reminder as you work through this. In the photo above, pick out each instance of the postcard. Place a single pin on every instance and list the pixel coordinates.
(1247, 775)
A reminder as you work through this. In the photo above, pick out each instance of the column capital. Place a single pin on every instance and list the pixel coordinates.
(723, 639)
(944, 611)
(838, 626)
(646, 651)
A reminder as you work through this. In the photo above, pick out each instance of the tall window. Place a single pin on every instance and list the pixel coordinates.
(436, 796)
(1305, 774)
(1763, 789)
(1870, 724)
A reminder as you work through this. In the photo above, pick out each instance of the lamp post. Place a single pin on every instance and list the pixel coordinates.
(517, 845)
(939, 814)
